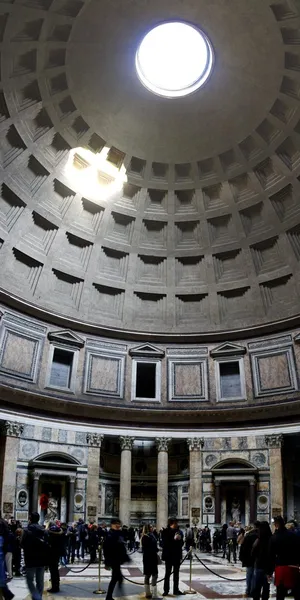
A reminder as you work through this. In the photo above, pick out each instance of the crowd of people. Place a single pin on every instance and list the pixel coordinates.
(264, 554)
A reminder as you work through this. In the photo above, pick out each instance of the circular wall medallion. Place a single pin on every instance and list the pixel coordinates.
(263, 502)
(174, 59)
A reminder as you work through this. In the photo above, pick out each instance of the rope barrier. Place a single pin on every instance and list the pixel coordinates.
(160, 580)
(79, 570)
(217, 574)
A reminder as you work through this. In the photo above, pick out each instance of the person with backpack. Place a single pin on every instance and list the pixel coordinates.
(36, 555)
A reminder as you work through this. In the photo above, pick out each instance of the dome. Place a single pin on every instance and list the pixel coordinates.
(129, 211)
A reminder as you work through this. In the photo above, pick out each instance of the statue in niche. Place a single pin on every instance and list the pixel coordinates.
(172, 501)
(52, 510)
(235, 510)
(109, 500)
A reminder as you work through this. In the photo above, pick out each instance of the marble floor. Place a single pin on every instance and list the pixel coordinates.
(222, 581)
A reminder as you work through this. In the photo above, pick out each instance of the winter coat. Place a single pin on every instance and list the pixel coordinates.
(246, 548)
(150, 557)
(35, 545)
(56, 540)
(260, 554)
(284, 549)
(114, 549)
(172, 547)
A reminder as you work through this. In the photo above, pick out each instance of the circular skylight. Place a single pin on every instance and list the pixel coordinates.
(174, 59)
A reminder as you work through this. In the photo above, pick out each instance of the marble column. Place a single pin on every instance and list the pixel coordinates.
(195, 488)
(94, 441)
(162, 445)
(35, 491)
(72, 479)
(218, 517)
(274, 443)
(252, 500)
(12, 432)
(126, 443)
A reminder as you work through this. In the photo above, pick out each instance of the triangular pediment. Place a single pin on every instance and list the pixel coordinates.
(66, 337)
(147, 350)
(228, 349)
(297, 338)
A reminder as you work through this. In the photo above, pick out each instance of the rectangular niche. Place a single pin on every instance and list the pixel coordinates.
(25, 270)
(221, 230)
(286, 203)
(41, 235)
(146, 380)
(274, 371)
(34, 174)
(57, 150)
(192, 309)
(90, 217)
(229, 266)
(130, 196)
(255, 219)
(11, 207)
(104, 374)
(67, 288)
(156, 201)
(187, 380)
(12, 145)
(230, 379)
(237, 303)
(150, 307)
(77, 251)
(120, 228)
(241, 188)
(185, 202)
(187, 235)
(190, 270)
(151, 270)
(108, 301)
(279, 292)
(58, 199)
(61, 369)
(113, 264)
(183, 171)
(137, 166)
(154, 234)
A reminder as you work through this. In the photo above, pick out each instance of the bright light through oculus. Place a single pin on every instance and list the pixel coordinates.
(174, 59)
(93, 175)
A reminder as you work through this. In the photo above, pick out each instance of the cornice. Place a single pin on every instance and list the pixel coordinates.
(60, 320)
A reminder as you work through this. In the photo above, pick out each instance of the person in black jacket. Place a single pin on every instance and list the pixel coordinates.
(56, 541)
(284, 556)
(114, 555)
(262, 567)
(246, 555)
(150, 560)
(172, 542)
(36, 555)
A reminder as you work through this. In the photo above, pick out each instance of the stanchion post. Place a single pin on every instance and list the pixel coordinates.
(99, 590)
(190, 591)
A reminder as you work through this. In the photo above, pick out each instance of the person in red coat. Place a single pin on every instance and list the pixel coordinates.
(44, 500)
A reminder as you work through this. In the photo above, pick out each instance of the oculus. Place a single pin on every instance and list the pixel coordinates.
(174, 59)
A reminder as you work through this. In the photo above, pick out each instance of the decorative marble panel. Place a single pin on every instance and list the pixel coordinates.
(20, 350)
(187, 379)
(274, 372)
(104, 374)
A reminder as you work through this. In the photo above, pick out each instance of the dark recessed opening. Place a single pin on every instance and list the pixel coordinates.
(61, 369)
(145, 380)
(230, 380)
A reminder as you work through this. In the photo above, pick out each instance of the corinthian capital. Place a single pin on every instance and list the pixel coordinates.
(12, 428)
(126, 442)
(94, 439)
(195, 443)
(162, 444)
(274, 441)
